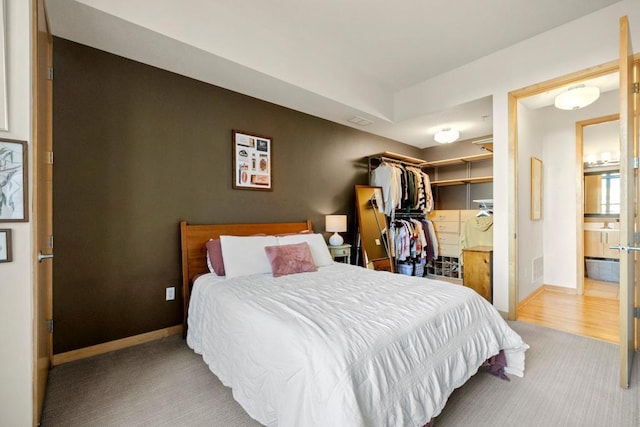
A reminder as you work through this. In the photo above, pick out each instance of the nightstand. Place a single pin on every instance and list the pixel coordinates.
(341, 251)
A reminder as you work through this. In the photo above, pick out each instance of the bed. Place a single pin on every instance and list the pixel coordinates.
(338, 346)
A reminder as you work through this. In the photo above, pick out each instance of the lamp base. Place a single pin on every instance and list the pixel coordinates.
(336, 239)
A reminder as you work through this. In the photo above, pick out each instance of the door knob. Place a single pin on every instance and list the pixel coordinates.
(625, 248)
(42, 257)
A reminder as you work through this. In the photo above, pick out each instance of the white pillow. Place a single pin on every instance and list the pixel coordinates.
(319, 250)
(245, 255)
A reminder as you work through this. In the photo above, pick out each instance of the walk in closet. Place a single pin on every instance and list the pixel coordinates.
(458, 181)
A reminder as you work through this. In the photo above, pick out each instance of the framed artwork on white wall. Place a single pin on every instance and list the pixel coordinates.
(4, 121)
(13, 181)
(5, 245)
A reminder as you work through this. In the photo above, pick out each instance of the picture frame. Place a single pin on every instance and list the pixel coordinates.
(252, 161)
(5, 245)
(14, 190)
(4, 119)
(536, 189)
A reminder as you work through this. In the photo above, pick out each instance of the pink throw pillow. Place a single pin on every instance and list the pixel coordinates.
(215, 256)
(290, 259)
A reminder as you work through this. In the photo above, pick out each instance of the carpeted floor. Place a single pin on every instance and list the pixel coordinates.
(569, 381)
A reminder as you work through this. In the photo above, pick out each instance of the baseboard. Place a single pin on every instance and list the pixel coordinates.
(530, 297)
(562, 289)
(94, 350)
(544, 288)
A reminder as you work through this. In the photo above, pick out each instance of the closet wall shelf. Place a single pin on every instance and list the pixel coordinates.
(401, 157)
(459, 160)
(461, 181)
(484, 143)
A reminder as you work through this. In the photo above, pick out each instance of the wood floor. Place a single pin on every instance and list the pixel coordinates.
(594, 314)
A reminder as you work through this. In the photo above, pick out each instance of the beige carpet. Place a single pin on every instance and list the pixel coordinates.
(569, 381)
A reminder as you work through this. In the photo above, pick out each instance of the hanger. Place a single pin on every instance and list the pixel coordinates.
(485, 210)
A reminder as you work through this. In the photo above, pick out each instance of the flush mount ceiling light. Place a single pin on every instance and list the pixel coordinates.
(446, 136)
(577, 97)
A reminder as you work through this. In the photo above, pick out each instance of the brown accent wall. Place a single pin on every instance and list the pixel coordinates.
(137, 149)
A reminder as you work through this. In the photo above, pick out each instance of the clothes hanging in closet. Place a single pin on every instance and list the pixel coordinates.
(404, 187)
(414, 239)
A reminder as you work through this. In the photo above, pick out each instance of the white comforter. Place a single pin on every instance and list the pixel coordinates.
(345, 346)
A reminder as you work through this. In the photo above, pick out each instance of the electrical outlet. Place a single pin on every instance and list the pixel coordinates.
(170, 294)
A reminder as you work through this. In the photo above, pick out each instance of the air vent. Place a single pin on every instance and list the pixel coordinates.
(537, 269)
(361, 121)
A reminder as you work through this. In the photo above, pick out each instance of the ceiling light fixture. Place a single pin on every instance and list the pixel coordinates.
(446, 136)
(577, 97)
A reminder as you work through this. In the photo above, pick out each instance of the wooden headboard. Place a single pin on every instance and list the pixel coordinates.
(194, 238)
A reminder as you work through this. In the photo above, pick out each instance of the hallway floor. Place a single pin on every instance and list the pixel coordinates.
(594, 314)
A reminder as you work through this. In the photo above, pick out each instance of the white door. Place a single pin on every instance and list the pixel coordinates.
(628, 210)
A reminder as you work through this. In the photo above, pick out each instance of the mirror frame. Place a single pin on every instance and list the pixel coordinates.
(378, 237)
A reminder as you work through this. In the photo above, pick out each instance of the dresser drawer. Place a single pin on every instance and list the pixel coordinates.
(446, 227)
(340, 252)
(445, 215)
(448, 238)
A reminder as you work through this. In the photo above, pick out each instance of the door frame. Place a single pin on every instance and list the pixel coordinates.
(512, 206)
(580, 186)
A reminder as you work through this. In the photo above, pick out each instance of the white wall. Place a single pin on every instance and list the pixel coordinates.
(16, 284)
(578, 45)
(531, 246)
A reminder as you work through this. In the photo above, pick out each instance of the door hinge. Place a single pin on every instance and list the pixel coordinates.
(50, 326)
(636, 87)
(636, 312)
(49, 159)
(50, 73)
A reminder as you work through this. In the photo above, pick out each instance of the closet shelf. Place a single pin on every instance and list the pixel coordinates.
(387, 155)
(459, 160)
(485, 143)
(460, 181)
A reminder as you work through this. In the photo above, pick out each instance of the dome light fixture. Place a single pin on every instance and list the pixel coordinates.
(446, 136)
(577, 97)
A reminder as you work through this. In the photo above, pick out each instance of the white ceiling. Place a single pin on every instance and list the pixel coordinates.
(334, 59)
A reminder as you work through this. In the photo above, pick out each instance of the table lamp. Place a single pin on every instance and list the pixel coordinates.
(336, 224)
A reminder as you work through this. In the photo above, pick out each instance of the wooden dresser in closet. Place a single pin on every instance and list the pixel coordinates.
(478, 270)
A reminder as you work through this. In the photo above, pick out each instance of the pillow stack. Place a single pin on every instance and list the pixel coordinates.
(235, 256)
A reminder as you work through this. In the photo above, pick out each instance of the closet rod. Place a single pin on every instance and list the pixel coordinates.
(402, 162)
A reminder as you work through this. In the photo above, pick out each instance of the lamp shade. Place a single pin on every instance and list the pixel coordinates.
(577, 97)
(446, 136)
(336, 224)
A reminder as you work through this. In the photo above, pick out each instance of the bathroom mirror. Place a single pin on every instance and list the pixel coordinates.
(372, 225)
(601, 147)
(602, 193)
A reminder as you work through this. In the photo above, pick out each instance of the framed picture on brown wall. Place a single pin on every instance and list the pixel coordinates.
(252, 167)
(13, 181)
(5, 245)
